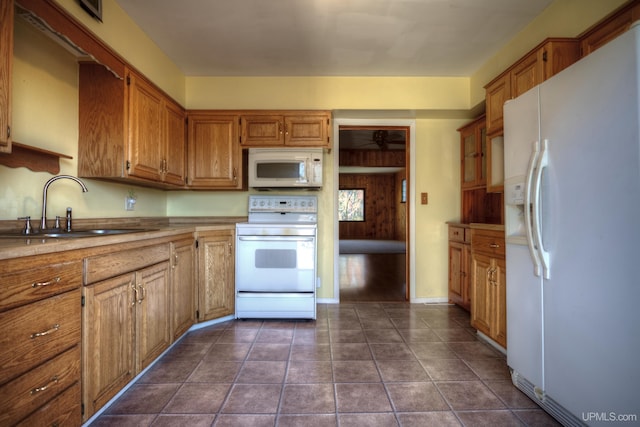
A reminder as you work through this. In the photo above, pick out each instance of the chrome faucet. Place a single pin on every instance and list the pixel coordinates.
(43, 220)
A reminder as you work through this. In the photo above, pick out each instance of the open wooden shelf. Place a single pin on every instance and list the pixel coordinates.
(33, 158)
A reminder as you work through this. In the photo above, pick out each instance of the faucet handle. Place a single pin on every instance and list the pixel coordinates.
(27, 225)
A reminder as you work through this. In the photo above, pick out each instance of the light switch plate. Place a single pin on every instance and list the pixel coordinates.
(424, 198)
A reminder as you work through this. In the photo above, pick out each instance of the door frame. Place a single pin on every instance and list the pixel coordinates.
(410, 168)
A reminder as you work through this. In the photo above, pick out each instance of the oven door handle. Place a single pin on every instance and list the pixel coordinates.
(276, 238)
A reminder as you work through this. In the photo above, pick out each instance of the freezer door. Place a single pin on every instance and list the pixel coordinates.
(590, 211)
(524, 287)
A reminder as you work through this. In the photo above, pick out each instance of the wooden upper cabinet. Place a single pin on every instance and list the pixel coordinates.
(262, 130)
(214, 154)
(473, 147)
(276, 129)
(145, 130)
(609, 28)
(129, 130)
(157, 145)
(176, 149)
(547, 59)
(497, 93)
(6, 61)
(310, 130)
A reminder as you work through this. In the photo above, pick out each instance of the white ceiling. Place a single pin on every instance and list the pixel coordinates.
(331, 37)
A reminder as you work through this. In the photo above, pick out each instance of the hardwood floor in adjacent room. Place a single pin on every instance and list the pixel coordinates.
(372, 277)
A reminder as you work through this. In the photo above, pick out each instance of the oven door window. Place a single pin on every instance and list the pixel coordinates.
(275, 264)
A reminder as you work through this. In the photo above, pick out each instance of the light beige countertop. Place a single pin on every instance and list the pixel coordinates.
(23, 246)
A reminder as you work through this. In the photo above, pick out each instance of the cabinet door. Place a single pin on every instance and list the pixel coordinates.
(456, 260)
(176, 144)
(481, 304)
(214, 154)
(606, 32)
(216, 274)
(145, 129)
(499, 327)
(497, 93)
(183, 286)
(473, 140)
(108, 341)
(6, 61)
(306, 130)
(262, 130)
(526, 74)
(466, 276)
(152, 313)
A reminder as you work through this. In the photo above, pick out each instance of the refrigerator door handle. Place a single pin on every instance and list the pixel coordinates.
(542, 163)
(533, 250)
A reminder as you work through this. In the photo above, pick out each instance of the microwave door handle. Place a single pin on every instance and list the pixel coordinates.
(307, 170)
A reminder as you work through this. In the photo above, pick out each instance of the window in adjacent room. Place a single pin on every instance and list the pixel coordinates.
(351, 204)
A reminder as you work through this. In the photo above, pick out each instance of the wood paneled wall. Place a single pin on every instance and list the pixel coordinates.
(373, 158)
(383, 217)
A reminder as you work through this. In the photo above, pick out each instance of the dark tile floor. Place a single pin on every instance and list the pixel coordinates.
(361, 364)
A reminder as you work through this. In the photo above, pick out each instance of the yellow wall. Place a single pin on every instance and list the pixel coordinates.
(45, 111)
(45, 115)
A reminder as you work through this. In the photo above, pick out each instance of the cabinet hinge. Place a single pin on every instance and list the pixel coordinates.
(544, 56)
(196, 244)
(82, 409)
(128, 165)
(8, 131)
(128, 80)
(197, 314)
(82, 301)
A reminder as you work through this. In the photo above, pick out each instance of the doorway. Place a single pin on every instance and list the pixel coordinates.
(373, 222)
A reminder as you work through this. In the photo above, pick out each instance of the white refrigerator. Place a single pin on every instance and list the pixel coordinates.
(572, 228)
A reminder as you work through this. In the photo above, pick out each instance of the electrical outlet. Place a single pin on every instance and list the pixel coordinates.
(424, 197)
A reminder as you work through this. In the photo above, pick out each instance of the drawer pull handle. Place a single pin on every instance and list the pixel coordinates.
(41, 284)
(51, 382)
(494, 245)
(47, 332)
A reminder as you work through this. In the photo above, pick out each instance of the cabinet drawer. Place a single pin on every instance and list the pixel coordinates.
(36, 332)
(26, 286)
(456, 234)
(63, 410)
(30, 391)
(102, 267)
(488, 242)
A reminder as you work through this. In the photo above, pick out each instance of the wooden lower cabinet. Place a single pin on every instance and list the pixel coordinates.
(126, 324)
(40, 316)
(459, 265)
(216, 273)
(108, 359)
(488, 285)
(183, 286)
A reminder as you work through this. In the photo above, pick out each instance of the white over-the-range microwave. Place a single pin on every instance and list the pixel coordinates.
(285, 168)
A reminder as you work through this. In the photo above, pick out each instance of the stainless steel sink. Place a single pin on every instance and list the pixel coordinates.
(73, 234)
